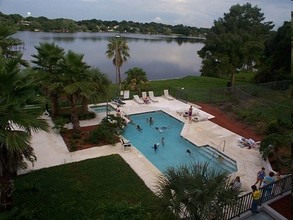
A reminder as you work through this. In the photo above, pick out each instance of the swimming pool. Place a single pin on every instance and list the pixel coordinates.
(172, 151)
(102, 108)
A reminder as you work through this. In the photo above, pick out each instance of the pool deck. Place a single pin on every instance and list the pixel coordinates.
(51, 150)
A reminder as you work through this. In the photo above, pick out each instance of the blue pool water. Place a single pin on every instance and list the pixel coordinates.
(173, 151)
(102, 108)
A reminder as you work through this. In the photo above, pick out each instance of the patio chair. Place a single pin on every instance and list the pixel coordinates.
(137, 99)
(125, 143)
(126, 94)
(145, 98)
(152, 97)
(167, 96)
(199, 118)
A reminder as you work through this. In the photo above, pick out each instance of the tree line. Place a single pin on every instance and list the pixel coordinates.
(96, 25)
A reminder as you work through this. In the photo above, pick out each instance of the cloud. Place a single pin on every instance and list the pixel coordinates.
(157, 19)
(89, 1)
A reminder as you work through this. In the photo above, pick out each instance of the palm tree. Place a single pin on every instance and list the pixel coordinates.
(11, 47)
(196, 191)
(75, 81)
(48, 66)
(99, 84)
(18, 119)
(118, 49)
(136, 79)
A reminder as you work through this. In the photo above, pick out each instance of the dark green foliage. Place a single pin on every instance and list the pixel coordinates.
(235, 42)
(103, 133)
(125, 211)
(277, 126)
(108, 130)
(67, 25)
(198, 191)
(136, 80)
(272, 142)
(276, 63)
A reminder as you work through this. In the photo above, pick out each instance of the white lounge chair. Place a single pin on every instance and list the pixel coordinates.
(126, 94)
(144, 95)
(152, 97)
(125, 143)
(167, 96)
(199, 118)
(137, 99)
(145, 98)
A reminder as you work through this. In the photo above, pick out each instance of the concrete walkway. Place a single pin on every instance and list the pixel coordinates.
(51, 150)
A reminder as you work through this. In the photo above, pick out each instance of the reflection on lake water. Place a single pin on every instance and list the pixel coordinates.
(161, 57)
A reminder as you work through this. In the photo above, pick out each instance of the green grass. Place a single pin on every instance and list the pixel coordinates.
(188, 83)
(92, 189)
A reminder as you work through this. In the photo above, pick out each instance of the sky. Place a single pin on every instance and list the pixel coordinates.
(195, 13)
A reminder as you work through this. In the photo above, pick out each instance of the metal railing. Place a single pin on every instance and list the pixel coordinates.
(269, 192)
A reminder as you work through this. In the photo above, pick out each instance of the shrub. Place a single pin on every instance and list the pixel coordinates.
(102, 133)
(108, 130)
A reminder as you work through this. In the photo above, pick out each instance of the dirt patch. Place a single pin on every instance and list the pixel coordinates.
(229, 121)
(80, 143)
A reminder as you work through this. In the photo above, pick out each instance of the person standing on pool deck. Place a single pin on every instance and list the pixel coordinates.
(260, 176)
(118, 111)
(190, 113)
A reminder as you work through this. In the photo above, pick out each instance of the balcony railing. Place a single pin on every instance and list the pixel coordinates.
(243, 203)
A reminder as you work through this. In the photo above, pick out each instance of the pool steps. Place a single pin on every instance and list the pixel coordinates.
(211, 153)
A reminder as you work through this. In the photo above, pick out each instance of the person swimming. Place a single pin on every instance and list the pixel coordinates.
(156, 147)
(188, 151)
(160, 129)
(151, 120)
(138, 128)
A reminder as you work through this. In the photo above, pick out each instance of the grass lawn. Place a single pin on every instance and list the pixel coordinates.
(101, 188)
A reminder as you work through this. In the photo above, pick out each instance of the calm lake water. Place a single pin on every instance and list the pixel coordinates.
(160, 57)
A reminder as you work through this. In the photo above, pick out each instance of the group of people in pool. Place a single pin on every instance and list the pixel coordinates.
(151, 121)
(160, 129)
(156, 147)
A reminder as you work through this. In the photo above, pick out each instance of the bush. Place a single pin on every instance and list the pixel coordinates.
(108, 130)
(103, 133)
(59, 123)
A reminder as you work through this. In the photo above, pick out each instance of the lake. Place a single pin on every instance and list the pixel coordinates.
(161, 57)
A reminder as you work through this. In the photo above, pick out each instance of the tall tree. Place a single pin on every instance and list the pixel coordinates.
(48, 65)
(276, 63)
(235, 42)
(136, 79)
(196, 191)
(99, 87)
(118, 49)
(17, 120)
(75, 81)
(10, 46)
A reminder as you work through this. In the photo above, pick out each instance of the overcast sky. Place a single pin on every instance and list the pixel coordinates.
(195, 13)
